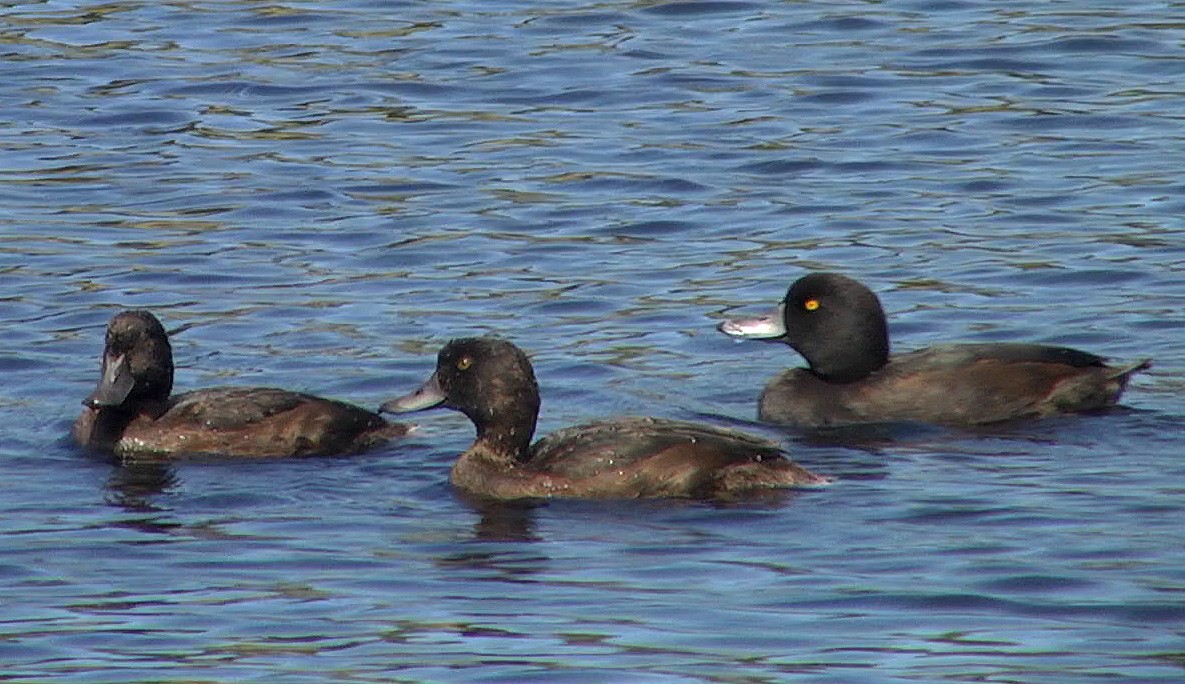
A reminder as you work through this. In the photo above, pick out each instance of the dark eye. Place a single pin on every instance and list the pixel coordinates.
(464, 363)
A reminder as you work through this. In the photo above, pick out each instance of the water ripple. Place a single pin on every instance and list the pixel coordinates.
(318, 199)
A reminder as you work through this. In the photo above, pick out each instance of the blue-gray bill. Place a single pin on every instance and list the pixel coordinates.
(771, 326)
(424, 397)
(114, 386)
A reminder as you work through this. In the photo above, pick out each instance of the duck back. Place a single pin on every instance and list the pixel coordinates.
(256, 422)
(956, 384)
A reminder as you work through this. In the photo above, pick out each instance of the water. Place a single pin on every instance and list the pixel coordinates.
(318, 195)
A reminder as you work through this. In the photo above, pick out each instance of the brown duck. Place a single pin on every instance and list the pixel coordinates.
(491, 381)
(131, 412)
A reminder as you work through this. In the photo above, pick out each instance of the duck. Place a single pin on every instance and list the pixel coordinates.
(491, 381)
(132, 412)
(837, 324)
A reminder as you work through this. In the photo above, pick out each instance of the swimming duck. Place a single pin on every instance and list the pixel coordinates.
(838, 325)
(131, 413)
(491, 381)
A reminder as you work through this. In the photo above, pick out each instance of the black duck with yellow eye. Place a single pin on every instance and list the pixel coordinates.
(838, 325)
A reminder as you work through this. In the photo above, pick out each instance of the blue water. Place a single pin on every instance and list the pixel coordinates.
(319, 195)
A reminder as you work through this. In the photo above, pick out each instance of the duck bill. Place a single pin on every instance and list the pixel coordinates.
(771, 326)
(115, 385)
(425, 397)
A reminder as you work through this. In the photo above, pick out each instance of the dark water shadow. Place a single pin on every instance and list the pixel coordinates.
(135, 487)
(876, 436)
(502, 521)
(515, 521)
(867, 452)
(503, 545)
(500, 548)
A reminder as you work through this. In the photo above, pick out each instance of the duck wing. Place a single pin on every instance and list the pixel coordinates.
(231, 408)
(957, 354)
(588, 450)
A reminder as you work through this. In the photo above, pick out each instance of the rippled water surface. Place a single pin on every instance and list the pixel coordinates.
(318, 195)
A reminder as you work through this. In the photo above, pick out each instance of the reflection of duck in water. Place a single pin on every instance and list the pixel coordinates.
(492, 382)
(837, 325)
(131, 413)
(134, 485)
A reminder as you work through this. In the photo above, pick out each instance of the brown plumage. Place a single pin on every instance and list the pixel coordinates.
(839, 327)
(131, 413)
(492, 382)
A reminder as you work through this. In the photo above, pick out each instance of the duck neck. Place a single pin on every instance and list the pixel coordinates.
(100, 429)
(851, 370)
(505, 441)
(505, 427)
(849, 359)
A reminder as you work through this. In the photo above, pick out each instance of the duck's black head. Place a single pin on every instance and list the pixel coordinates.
(836, 324)
(488, 379)
(137, 364)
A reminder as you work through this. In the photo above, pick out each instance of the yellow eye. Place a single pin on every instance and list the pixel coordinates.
(811, 304)
(464, 363)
